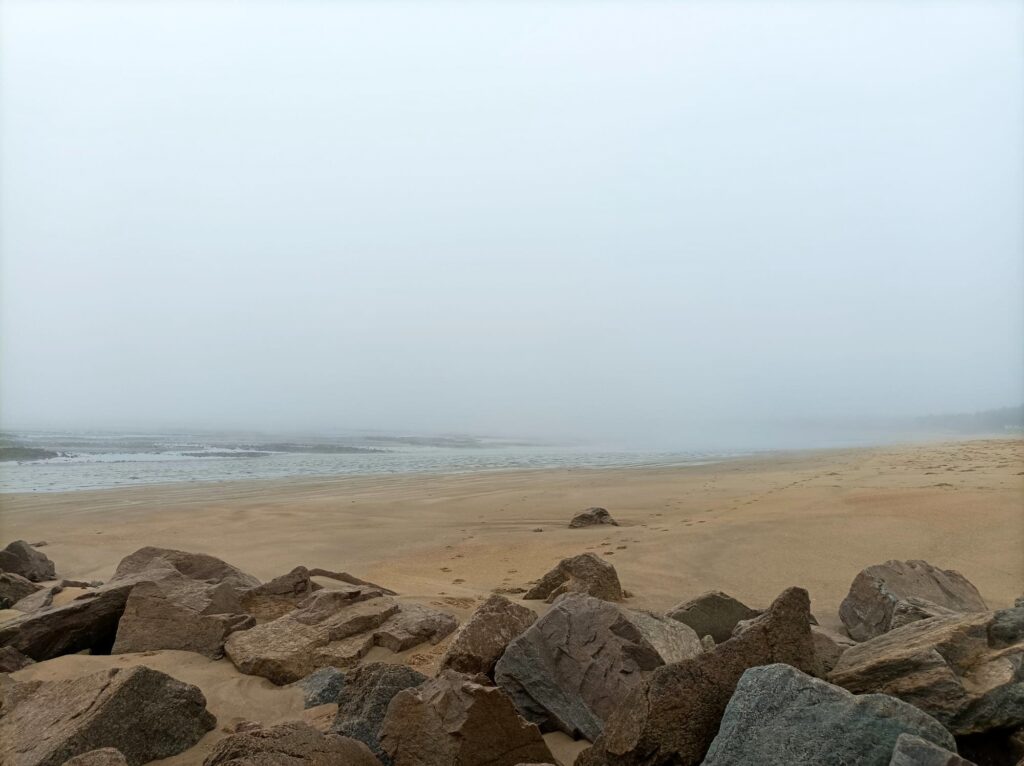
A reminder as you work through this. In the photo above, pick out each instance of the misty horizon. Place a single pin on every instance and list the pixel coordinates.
(569, 222)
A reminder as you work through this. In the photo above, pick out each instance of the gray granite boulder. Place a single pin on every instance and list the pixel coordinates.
(573, 666)
(363, 702)
(779, 716)
(893, 594)
(321, 687)
(713, 614)
(20, 558)
(142, 712)
(911, 750)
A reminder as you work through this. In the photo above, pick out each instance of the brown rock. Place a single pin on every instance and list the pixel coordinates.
(12, 660)
(479, 643)
(194, 566)
(414, 624)
(674, 714)
(911, 750)
(893, 594)
(570, 669)
(105, 756)
(142, 712)
(453, 720)
(289, 744)
(828, 648)
(329, 629)
(20, 558)
(713, 614)
(39, 600)
(592, 517)
(279, 596)
(585, 573)
(14, 587)
(178, 613)
(965, 670)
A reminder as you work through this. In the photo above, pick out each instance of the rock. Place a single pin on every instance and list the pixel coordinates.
(911, 750)
(479, 643)
(279, 596)
(39, 600)
(183, 614)
(414, 624)
(288, 744)
(673, 714)
(194, 566)
(707, 643)
(142, 712)
(89, 622)
(20, 558)
(363, 703)
(65, 583)
(779, 716)
(321, 687)
(828, 648)
(14, 587)
(570, 669)
(585, 573)
(350, 579)
(890, 595)
(965, 670)
(12, 660)
(105, 756)
(712, 614)
(592, 517)
(453, 720)
(331, 628)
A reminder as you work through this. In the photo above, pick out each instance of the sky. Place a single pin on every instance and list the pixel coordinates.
(571, 219)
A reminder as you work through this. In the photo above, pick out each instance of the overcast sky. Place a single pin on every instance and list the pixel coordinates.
(581, 219)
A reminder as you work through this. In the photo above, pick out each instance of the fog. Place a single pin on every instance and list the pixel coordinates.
(562, 220)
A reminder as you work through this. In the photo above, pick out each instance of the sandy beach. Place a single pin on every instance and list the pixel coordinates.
(750, 527)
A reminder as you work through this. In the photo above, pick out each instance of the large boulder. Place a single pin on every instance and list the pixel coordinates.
(321, 687)
(194, 566)
(178, 613)
(20, 558)
(779, 716)
(363, 701)
(295, 743)
(893, 594)
(452, 720)
(14, 587)
(570, 669)
(965, 670)
(912, 750)
(482, 639)
(592, 517)
(673, 714)
(142, 712)
(585, 573)
(105, 756)
(279, 596)
(414, 624)
(713, 614)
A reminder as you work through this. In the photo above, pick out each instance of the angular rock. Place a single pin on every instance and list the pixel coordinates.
(14, 587)
(965, 670)
(345, 577)
(279, 596)
(20, 558)
(911, 750)
(828, 648)
(288, 744)
(321, 687)
(570, 669)
(780, 716)
(194, 566)
(183, 614)
(592, 517)
(38, 600)
(673, 714)
(105, 756)
(11, 660)
(479, 643)
(414, 624)
(893, 594)
(363, 703)
(453, 720)
(713, 614)
(585, 573)
(329, 629)
(142, 712)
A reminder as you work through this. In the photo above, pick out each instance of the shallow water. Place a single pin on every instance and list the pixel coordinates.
(92, 461)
